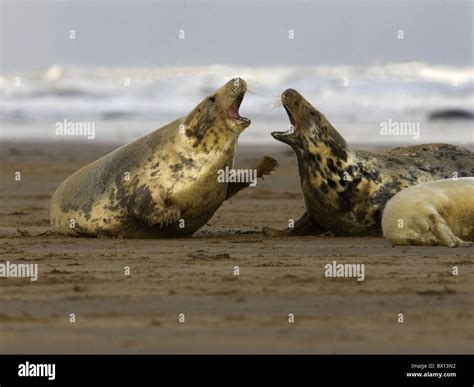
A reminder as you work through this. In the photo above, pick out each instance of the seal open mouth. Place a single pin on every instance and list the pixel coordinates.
(234, 109)
(289, 134)
(292, 120)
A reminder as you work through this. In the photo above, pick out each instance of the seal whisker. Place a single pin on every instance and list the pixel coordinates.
(255, 88)
(269, 107)
(276, 103)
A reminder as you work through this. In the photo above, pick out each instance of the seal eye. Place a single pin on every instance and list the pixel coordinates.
(211, 99)
(313, 113)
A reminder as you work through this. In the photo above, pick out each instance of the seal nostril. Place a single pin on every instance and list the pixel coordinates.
(237, 85)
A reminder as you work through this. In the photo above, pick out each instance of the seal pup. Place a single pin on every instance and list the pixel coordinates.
(437, 213)
(345, 190)
(163, 184)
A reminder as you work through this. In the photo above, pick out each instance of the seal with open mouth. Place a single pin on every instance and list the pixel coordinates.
(345, 190)
(163, 184)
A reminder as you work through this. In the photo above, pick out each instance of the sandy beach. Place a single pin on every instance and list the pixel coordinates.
(223, 312)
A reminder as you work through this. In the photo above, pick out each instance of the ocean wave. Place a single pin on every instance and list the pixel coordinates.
(409, 90)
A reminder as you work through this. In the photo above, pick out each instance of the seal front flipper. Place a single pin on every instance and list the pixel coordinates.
(166, 216)
(162, 217)
(265, 166)
(304, 226)
(156, 216)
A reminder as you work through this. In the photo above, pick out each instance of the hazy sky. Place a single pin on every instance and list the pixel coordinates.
(36, 34)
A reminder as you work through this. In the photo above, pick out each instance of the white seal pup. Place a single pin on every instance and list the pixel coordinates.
(436, 213)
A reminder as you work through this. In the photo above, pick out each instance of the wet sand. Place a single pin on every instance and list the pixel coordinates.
(224, 313)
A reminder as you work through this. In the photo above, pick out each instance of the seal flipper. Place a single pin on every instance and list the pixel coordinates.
(161, 217)
(304, 226)
(166, 216)
(443, 234)
(265, 166)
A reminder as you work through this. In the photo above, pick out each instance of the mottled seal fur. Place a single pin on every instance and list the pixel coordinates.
(163, 184)
(436, 213)
(345, 190)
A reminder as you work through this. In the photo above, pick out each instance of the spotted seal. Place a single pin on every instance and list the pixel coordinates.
(163, 184)
(436, 213)
(345, 190)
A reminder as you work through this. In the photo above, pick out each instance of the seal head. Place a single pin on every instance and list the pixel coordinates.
(310, 130)
(216, 118)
